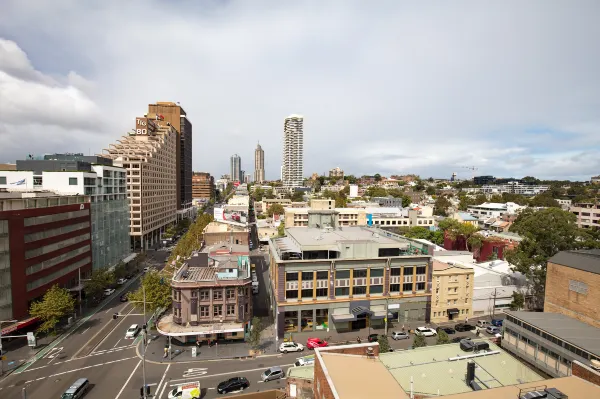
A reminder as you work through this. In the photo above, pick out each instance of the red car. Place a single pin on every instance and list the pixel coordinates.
(313, 343)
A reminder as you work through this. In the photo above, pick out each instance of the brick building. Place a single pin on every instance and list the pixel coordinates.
(573, 285)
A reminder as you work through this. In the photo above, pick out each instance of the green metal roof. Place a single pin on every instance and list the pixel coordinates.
(305, 372)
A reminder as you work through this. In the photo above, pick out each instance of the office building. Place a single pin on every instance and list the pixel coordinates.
(45, 239)
(259, 165)
(292, 167)
(174, 114)
(342, 279)
(94, 176)
(149, 156)
(235, 166)
(203, 186)
(452, 292)
(211, 296)
(483, 180)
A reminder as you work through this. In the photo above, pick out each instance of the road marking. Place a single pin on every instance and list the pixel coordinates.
(117, 343)
(129, 379)
(84, 331)
(53, 353)
(191, 373)
(161, 381)
(82, 368)
(229, 372)
(114, 328)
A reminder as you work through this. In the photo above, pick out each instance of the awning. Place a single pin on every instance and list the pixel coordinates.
(130, 258)
(338, 318)
(360, 310)
(380, 315)
(453, 311)
(18, 325)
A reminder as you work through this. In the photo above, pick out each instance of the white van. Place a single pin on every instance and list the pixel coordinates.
(189, 390)
(305, 361)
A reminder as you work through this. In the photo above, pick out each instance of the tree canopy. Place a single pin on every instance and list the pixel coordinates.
(192, 239)
(419, 341)
(442, 337)
(275, 209)
(441, 205)
(100, 279)
(158, 292)
(56, 304)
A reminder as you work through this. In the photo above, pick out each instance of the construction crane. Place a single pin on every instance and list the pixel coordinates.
(473, 169)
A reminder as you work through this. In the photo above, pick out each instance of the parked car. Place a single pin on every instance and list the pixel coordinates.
(313, 343)
(109, 291)
(373, 338)
(233, 384)
(121, 281)
(286, 347)
(497, 322)
(458, 339)
(124, 297)
(493, 330)
(132, 331)
(482, 323)
(464, 327)
(447, 330)
(272, 373)
(397, 335)
(425, 331)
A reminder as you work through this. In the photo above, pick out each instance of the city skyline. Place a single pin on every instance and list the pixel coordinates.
(462, 91)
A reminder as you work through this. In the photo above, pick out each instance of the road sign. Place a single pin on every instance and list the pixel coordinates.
(194, 351)
(31, 340)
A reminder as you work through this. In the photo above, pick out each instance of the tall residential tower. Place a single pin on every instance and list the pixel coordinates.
(236, 167)
(293, 151)
(259, 164)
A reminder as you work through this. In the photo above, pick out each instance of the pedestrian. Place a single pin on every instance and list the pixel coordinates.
(166, 351)
(402, 327)
(466, 320)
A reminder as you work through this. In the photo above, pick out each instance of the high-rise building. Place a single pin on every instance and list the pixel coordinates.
(203, 186)
(236, 167)
(149, 155)
(293, 155)
(174, 114)
(259, 164)
(96, 177)
(45, 239)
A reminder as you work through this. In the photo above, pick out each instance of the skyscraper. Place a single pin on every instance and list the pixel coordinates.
(176, 116)
(236, 167)
(259, 164)
(293, 151)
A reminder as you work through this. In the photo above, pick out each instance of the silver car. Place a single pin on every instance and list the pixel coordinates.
(397, 335)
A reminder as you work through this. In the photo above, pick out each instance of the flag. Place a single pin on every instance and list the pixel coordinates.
(18, 183)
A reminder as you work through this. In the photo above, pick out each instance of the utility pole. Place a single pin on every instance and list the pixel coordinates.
(80, 288)
(387, 304)
(145, 338)
(494, 306)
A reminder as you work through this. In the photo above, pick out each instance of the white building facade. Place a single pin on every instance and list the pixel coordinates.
(292, 168)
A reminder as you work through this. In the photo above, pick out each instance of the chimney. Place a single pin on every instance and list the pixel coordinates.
(470, 373)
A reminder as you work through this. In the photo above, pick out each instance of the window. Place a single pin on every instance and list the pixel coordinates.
(307, 276)
(308, 293)
(359, 290)
(217, 295)
(194, 294)
(230, 293)
(407, 287)
(394, 287)
(204, 295)
(342, 291)
(217, 310)
(376, 289)
(321, 292)
(421, 270)
(291, 276)
(323, 275)
(340, 274)
(360, 273)
(72, 181)
(421, 287)
(291, 294)
(395, 271)
(204, 311)
(408, 270)
(230, 310)
(2, 179)
(376, 273)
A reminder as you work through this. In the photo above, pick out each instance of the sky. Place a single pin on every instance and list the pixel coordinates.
(511, 88)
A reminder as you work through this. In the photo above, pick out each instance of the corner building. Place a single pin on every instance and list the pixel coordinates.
(148, 154)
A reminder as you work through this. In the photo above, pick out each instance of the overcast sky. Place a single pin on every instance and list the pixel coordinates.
(394, 87)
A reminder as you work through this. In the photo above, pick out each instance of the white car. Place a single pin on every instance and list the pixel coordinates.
(132, 331)
(121, 281)
(425, 331)
(109, 291)
(286, 347)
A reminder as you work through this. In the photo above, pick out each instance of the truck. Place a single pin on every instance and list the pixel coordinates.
(305, 361)
(189, 390)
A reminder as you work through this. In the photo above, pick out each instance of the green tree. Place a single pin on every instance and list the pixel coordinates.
(475, 241)
(419, 341)
(255, 333)
(56, 304)
(275, 209)
(351, 179)
(375, 191)
(191, 240)
(98, 282)
(418, 232)
(441, 205)
(442, 337)
(258, 193)
(340, 200)
(269, 194)
(377, 177)
(384, 344)
(158, 292)
(298, 196)
(406, 201)
(518, 301)
(120, 270)
(544, 200)
(430, 190)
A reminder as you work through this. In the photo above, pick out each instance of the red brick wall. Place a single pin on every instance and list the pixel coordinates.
(487, 249)
(304, 387)
(585, 373)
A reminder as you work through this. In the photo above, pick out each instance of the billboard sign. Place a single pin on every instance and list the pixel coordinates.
(221, 214)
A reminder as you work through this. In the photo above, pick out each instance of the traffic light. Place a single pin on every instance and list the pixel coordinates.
(142, 392)
(115, 315)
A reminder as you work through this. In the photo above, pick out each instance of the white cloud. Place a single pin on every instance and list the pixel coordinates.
(401, 87)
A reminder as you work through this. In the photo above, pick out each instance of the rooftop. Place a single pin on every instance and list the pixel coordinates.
(434, 372)
(585, 260)
(564, 327)
(467, 217)
(316, 236)
(305, 372)
(166, 326)
(490, 205)
(348, 373)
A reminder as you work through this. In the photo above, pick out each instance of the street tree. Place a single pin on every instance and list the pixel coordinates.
(384, 344)
(281, 229)
(100, 280)
(377, 177)
(442, 337)
(275, 209)
(297, 196)
(258, 193)
(430, 190)
(255, 334)
(269, 194)
(518, 301)
(55, 305)
(158, 292)
(441, 205)
(419, 342)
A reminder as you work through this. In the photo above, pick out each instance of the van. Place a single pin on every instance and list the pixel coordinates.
(305, 361)
(189, 390)
(77, 389)
(482, 323)
(272, 373)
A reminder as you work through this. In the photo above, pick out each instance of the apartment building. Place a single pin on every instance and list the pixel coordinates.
(211, 296)
(336, 172)
(149, 156)
(346, 278)
(173, 114)
(292, 168)
(587, 213)
(259, 165)
(235, 167)
(203, 186)
(45, 239)
(451, 292)
(76, 174)
(573, 285)
(511, 187)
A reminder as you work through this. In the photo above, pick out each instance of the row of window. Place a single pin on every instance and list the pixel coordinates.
(32, 253)
(56, 260)
(321, 293)
(57, 274)
(35, 220)
(204, 294)
(443, 313)
(356, 273)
